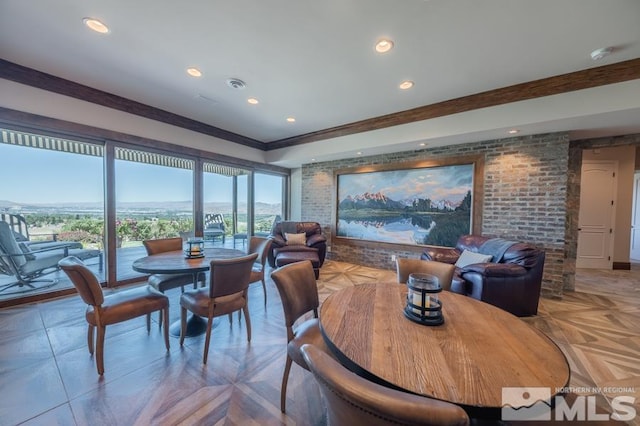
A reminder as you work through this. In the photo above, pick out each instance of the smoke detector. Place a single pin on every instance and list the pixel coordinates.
(236, 83)
(598, 54)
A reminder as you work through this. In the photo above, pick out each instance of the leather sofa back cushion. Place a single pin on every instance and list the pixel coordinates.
(468, 258)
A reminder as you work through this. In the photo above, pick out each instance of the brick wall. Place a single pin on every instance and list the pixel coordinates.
(525, 198)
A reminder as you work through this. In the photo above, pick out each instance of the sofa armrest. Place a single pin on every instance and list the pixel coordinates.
(441, 254)
(316, 239)
(495, 269)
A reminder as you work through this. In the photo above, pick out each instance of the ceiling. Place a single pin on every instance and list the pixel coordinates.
(315, 61)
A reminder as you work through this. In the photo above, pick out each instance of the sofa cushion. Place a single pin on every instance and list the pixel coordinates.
(295, 239)
(468, 258)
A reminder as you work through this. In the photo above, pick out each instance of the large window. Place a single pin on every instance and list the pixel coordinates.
(51, 193)
(225, 192)
(154, 199)
(106, 199)
(269, 202)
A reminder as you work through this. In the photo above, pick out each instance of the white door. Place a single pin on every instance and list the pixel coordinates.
(597, 213)
(635, 220)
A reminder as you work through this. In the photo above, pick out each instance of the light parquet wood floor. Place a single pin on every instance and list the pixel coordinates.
(48, 378)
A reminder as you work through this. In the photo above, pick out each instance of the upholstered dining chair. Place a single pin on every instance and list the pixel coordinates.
(296, 283)
(225, 294)
(353, 400)
(164, 282)
(443, 271)
(261, 246)
(114, 308)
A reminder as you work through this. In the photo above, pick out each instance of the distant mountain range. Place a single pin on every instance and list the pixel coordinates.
(379, 201)
(186, 206)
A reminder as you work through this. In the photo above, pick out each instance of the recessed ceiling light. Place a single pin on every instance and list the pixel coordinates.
(194, 72)
(407, 84)
(252, 101)
(359, 153)
(291, 119)
(384, 45)
(513, 131)
(598, 54)
(423, 144)
(96, 25)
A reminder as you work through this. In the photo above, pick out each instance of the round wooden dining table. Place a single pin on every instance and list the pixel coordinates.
(479, 350)
(175, 262)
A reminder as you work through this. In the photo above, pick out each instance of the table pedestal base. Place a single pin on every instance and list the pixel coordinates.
(195, 327)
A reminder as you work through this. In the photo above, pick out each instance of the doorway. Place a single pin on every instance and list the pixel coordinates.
(634, 252)
(598, 186)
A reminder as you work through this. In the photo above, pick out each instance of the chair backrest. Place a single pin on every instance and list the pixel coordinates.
(213, 220)
(162, 245)
(230, 276)
(83, 280)
(12, 254)
(443, 271)
(353, 400)
(18, 225)
(296, 283)
(260, 246)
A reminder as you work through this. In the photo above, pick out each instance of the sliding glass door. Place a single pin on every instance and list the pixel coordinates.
(154, 199)
(51, 193)
(269, 202)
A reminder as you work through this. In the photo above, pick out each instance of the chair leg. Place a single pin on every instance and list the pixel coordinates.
(100, 350)
(264, 288)
(283, 388)
(165, 314)
(183, 324)
(247, 320)
(90, 339)
(207, 340)
(148, 323)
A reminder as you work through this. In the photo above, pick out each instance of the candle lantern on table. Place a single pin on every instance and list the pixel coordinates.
(195, 248)
(423, 304)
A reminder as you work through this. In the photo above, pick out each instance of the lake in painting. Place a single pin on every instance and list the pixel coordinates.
(425, 206)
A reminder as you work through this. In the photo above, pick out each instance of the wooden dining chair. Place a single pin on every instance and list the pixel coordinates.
(164, 282)
(296, 283)
(225, 294)
(442, 271)
(353, 400)
(261, 246)
(117, 307)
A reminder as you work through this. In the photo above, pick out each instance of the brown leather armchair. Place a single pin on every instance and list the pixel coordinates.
(511, 280)
(315, 241)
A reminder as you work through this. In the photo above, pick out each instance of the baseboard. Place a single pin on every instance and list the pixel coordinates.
(626, 266)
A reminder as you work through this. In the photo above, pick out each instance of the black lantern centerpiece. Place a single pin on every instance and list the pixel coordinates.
(423, 305)
(195, 248)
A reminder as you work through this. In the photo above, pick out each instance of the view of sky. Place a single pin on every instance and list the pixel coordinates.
(39, 176)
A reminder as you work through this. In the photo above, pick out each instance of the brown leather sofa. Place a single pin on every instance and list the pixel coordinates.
(511, 281)
(315, 241)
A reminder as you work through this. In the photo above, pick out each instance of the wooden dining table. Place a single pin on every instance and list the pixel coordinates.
(479, 350)
(176, 262)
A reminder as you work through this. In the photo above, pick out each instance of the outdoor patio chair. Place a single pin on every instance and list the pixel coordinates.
(214, 227)
(20, 228)
(28, 265)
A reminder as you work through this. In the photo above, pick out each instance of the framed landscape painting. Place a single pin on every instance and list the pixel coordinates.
(420, 205)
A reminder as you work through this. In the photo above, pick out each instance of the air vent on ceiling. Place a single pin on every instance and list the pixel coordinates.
(236, 83)
(206, 99)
